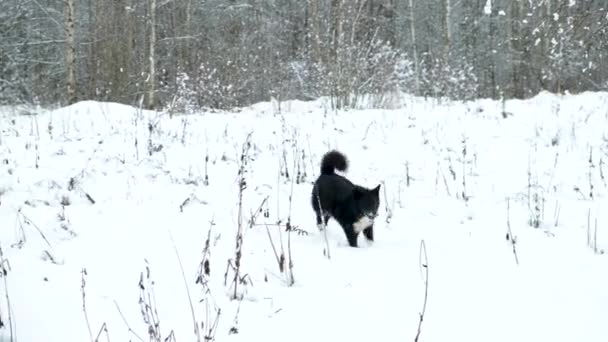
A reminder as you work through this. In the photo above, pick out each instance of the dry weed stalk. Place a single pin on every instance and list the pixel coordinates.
(592, 237)
(289, 227)
(235, 264)
(512, 239)
(103, 329)
(197, 332)
(4, 268)
(83, 274)
(464, 194)
(104, 326)
(127, 323)
(147, 303)
(590, 173)
(423, 262)
(209, 325)
(387, 207)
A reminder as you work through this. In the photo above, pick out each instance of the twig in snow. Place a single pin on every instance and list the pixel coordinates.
(197, 332)
(387, 207)
(399, 202)
(535, 197)
(104, 328)
(36, 148)
(423, 262)
(465, 196)
(73, 184)
(4, 268)
(407, 174)
(602, 173)
(171, 337)
(83, 273)
(204, 268)
(236, 266)
(276, 255)
(234, 328)
(147, 303)
(206, 181)
(281, 258)
(290, 264)
(289, 227)
(590, 173)
(126, 323)
(189, 200)
(27, 221)
(202, 277)
(255, 214)
(556, 213)
(595, 250)
(210, 335)
(445, 181)
(512, 239)
(592, 238)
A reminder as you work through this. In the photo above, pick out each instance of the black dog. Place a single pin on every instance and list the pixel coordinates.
(353, 206)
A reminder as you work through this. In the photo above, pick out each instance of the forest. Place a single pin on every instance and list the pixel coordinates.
(221, 54)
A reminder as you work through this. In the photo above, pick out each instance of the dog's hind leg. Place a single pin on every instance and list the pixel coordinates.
(369, 233)
(322, 223)
(319, 220)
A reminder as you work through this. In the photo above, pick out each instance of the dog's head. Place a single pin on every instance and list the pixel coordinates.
(367, 201)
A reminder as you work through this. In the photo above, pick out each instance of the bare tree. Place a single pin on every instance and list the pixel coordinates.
(151, 80)
(414, 48)
(70, 51)
(447, 35)
(314, 19)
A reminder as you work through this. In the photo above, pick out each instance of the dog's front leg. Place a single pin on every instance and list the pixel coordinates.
(369, 232)
(351, 236)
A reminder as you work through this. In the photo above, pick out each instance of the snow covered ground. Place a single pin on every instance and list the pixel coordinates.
(123, 200)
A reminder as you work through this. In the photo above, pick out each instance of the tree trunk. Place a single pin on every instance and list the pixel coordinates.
(493, 47)
(92, 50)
(414, 49)
(131, 46)
(334, 57)
(447, 34)
(514, 48)
(70, 52)
(151, 56)
(186, 59)
(315, 30)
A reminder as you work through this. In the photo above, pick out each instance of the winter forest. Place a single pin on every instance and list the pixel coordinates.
(225, 53)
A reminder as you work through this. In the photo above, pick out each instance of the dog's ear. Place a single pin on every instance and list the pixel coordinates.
(376, 191)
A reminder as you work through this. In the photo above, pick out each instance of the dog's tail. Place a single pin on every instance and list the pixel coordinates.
(333, 160)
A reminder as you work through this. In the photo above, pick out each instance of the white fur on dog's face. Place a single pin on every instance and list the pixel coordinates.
(363, 223)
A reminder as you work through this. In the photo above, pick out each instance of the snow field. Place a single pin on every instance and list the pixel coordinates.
(146, 171)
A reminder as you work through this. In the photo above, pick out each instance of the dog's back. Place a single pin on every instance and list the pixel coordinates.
(331, 188)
